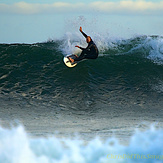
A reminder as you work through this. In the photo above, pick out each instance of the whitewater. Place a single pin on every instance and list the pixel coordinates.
(17, 147)
(103, 110)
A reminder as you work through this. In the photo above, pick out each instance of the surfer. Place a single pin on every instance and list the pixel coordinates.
(90, 52)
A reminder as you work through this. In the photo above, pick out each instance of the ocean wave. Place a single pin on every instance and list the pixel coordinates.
(17, 146)
(36, 70)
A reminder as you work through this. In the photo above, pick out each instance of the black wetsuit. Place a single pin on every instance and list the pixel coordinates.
(90, 52)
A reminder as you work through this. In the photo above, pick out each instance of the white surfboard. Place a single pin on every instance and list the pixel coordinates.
(67, 62)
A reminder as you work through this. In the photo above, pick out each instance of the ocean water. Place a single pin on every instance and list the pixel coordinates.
(17, 147)
(99, 111)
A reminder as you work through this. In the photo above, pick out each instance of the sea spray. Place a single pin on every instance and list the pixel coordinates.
(16, 146)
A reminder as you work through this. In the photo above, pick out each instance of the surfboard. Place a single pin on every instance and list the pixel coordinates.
(67, 62)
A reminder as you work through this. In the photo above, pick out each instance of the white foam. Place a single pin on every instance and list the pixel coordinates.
(70, 40)
(156, 52)
(17, 147)
(149, 47)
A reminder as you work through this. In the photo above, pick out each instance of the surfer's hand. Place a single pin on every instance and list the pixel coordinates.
(77, 46)
(80, 29)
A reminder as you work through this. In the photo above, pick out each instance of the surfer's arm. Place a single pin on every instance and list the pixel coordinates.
(80, 47)
(87, 48)
(83, 32)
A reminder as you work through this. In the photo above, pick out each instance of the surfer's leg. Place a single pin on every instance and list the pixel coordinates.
(90, 55)
(86, 55)
(82, 56)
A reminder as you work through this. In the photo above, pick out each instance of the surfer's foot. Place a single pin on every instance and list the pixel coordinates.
(72, 60)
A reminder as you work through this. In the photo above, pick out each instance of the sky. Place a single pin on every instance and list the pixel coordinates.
(30, 21)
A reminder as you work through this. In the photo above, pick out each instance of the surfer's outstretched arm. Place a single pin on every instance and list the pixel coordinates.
(80, 47)
(83, 32)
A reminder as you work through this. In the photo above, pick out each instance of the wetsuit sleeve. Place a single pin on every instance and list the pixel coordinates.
(84, 34)
(82, 48)
(87, 48)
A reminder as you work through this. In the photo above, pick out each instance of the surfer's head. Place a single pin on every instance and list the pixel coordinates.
(88, 39)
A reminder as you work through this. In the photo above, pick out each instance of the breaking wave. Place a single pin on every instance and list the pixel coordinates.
(17, 146)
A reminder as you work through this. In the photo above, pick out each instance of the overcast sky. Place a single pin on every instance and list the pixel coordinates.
(31, 21)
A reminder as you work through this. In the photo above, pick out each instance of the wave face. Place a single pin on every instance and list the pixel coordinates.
(17, 147)
(109, 96)
(125, 69)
